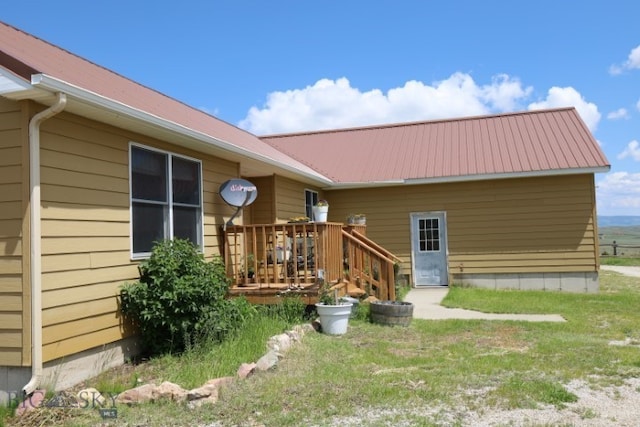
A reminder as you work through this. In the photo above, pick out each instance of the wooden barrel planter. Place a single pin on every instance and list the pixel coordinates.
(392, 313)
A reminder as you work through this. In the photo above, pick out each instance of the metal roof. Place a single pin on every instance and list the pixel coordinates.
(518, 144)
(542, 142)
(31, 68)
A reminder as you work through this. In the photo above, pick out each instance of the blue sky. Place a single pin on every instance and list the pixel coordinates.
(280, 66)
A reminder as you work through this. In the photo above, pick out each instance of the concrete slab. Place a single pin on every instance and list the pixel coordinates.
(628, 271)
(426, 305)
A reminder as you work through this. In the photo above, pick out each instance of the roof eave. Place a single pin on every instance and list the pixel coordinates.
(468, 178)
(16, 88)
(51, 84)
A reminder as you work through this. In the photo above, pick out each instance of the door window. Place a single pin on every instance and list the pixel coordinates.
(429, 234)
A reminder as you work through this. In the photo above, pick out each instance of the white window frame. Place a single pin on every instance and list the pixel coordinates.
(308, 209)
(168, 219)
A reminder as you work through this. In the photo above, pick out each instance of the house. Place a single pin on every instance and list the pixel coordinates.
(503, 201)
(89, 157)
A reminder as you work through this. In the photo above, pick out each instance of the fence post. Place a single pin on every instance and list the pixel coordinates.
(615, 248)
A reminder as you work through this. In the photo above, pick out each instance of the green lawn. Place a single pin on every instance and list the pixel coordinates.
(427, 373)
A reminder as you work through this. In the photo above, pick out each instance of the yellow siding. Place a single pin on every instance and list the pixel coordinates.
(12, 341)
(504, 226)
(86, 230)
(289, 200)
(76, 344)
(263, 210)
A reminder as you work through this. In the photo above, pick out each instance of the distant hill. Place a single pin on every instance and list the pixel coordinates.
(618, 221)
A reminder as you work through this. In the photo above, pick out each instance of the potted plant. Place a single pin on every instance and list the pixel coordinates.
(250, 264)
(320, 211)
(298, 219)
(334, 313)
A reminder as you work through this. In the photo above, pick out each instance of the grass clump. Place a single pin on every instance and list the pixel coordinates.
(521, 392)
(620, 260)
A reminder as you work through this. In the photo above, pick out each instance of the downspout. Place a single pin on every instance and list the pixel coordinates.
(36, 234)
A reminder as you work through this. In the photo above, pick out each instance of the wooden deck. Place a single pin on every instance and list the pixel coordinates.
(257, 293)
(267, 262)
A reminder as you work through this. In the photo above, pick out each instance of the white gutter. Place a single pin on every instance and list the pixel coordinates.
(466, 178)
(36, 234)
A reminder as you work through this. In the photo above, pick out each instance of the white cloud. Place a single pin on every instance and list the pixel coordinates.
(634, 59)
(620, 113)
(330, 104)
(618, 193)
(632, 62)
(569, 97)
(632, 150)
(621, 183)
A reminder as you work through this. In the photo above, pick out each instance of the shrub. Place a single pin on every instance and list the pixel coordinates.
(180, 298)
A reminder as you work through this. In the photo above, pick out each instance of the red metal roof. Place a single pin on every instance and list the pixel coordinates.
(26, 55)
(551, 141)
(514, 144)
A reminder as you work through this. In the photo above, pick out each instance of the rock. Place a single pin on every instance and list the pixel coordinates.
(304, 328)
(208, 393)
(170, 391)
(143, 393)
(268, 361)
(31, 402)
(294, 336)
(280, 342)
(246, 369)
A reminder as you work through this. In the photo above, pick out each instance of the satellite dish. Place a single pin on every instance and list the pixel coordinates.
(238, 193)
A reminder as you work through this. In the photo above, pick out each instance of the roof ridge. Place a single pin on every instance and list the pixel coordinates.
(419, 122)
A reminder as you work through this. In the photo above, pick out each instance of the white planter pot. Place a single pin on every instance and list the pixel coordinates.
(334, 319)
(320, 213)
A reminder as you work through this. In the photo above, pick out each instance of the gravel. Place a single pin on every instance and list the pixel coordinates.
(595, 407)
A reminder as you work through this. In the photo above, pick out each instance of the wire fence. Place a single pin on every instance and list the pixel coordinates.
(616, 248)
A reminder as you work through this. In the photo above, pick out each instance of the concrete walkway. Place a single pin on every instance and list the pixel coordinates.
(426, 305)
(627, 271)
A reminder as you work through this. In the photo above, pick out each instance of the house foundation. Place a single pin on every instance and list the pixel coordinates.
(578, 282)
(66, 372)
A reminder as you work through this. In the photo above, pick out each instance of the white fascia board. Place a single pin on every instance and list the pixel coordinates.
(52, 84)
(468, 178)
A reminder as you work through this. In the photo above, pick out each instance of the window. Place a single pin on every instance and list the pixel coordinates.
(429, 234)
(310, 200)
(166, 199)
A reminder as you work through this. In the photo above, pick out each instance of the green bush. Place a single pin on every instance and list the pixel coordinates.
(180, 299)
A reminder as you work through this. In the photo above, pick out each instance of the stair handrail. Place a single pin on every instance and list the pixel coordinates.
(375, 245)
(367, 245)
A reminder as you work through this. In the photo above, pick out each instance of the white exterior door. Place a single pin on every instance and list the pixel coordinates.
(429, 249)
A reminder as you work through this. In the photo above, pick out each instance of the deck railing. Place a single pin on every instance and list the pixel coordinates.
(272, 255)
(369, 265)
(295, 256)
